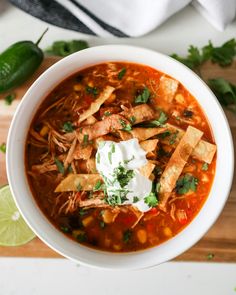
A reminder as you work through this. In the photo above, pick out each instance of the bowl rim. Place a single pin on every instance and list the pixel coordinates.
(39, 222)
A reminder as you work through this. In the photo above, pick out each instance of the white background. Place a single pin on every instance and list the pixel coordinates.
(59, 276)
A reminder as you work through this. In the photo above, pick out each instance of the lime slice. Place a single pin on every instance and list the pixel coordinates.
(13, 229)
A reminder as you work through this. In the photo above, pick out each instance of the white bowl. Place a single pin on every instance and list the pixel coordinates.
(37, 220)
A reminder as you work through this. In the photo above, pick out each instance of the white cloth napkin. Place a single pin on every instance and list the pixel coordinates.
(138, 17)
(123, 18)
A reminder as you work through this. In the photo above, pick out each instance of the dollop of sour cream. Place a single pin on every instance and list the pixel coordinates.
(118, 164)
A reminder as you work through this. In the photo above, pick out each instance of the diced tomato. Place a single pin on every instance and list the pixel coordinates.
(153, 210)
(150, 227)
(88, 99)
(126, 219)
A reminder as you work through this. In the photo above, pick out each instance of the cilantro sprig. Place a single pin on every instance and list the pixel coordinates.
(222, 55)
(143, 97)
(186, 183)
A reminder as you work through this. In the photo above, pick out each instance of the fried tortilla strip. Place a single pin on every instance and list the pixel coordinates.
(149, 145)
(204, 151)
(147, 169)
(177, 162)
(90, 120)
(124, 135)
(83, 152)
(93, 203)
(95, 106)
(145, 133)
(139, 114)
(100, 128)
(74, 182)
(91, 165)
(167, 88)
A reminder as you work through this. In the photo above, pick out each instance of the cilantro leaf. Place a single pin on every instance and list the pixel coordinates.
(9, 98)
(121, 73)
(126, 127)
(3, 148)
(64, 48)
(160, 121)
(127, 236)
(98, 185)
(151, 200)
(222, 55)
(225, 92)
(143, 97)
(92, 90)
(135, 199)
(132, 119)
(205, 166)
(85, 139)
(59, 165)
(68, 127)
(186, 183)
(123, 175)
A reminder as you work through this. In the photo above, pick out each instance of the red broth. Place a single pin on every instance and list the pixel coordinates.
(51, 136)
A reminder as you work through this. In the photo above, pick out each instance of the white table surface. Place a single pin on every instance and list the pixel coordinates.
(59, 276)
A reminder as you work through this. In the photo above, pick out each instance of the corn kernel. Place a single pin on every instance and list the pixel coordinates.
(44, 131)
(142, 236)
(87, 220)
(167, 232)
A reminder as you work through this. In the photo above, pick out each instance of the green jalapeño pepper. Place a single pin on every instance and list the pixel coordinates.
(18, 63)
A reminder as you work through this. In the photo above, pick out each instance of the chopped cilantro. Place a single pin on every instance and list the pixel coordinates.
(164, 134)
(92, 90)
(126, 127)
(160, 121)
(127, 236)
(101, 144)
(98, 185)
(132, 119)
(121, 73)
(113, 148)
(81, 237)
(9, 98)
(107, 113)
(110, 157)
(205, 166)
(151, 200)
(3, 148)
(102, 224)
(158, 187)
(135, 199)
(82, 212)
(98, 158)
(143, 97)
(186, 183)
(79, 187)
(68, 127)
(59, 165)
(64, 48)
(117, 198)
(210, 256)
(85, 139)
(225, 92)
(123, 175)
(65, 229)
(127, 161)
(70, 170)
(173, 137)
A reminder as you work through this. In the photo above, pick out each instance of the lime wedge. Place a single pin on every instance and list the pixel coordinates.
(13, 229)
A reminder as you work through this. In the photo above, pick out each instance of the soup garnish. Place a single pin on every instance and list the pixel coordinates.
(120, 157)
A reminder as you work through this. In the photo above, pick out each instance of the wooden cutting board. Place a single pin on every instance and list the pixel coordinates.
(220, 240)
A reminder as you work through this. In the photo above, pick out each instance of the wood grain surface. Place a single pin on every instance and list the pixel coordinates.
(220, 240)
